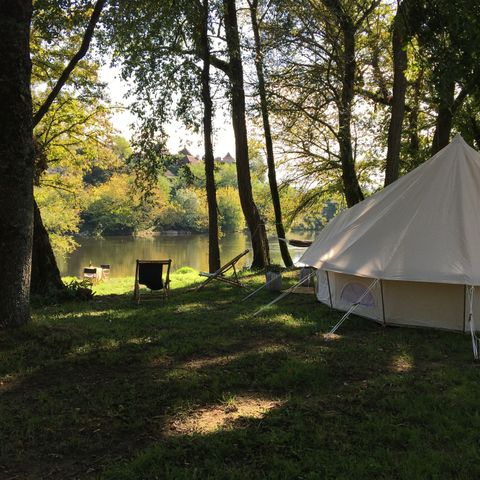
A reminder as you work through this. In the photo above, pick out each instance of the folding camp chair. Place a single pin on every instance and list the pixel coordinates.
(90, 274)
(220, 273)
(105, 271)
(150, 274)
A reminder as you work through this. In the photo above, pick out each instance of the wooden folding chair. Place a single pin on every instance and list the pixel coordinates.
(105, 271)
(150, 274)
(220, 273)
(90, 274)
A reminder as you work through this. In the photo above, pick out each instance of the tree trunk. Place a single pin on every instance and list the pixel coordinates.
(261, 256)
(45, 273)
(399, 91)
(16, 162)
(272, 176)
(213, 248)
(448, 106)
(353, 192)
(443, 124)
(413, 138)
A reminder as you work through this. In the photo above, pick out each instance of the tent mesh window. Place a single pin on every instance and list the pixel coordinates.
(351, 293)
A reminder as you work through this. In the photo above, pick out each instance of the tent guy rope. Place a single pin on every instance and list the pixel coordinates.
(353, 307)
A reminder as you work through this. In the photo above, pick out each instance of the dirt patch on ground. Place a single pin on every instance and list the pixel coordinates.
(223, 416)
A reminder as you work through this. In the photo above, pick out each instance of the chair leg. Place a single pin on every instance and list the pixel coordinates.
(136, 293)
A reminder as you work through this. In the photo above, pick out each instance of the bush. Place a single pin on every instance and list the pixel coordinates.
(231, 215)
(185, 271)
(75, 290)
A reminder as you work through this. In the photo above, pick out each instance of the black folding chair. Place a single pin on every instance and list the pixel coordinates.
(150, 274)
(220, 273)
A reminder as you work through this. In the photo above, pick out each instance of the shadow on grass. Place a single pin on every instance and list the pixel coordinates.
(94, 390)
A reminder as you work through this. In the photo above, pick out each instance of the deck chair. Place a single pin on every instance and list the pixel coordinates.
(90, 274)
(150, 274)
(220, 273)
(105, 271)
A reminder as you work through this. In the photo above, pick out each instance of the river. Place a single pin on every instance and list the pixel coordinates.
(184, 250)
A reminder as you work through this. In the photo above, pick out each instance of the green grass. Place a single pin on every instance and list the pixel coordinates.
(167, 390)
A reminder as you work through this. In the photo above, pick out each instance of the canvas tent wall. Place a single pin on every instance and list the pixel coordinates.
(420, 237)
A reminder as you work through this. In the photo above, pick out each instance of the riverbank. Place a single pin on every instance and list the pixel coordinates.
(197, 388)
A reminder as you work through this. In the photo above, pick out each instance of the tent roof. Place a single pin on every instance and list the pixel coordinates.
(423, 227)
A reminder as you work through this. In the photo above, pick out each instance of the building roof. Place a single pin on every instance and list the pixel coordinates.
(187, 157)
(228, 158)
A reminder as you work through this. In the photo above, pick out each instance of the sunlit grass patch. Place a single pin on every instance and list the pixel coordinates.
(402, 363)
(224, 415)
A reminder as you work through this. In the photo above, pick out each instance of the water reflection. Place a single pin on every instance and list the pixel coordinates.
(184, 250)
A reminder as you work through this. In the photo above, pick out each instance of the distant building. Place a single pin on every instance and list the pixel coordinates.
(184, 157)
(228, 158)
(187, 157)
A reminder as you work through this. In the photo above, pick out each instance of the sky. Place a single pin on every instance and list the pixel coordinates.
(179, 137)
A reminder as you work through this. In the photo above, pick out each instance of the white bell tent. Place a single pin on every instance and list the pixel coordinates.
(409, 254)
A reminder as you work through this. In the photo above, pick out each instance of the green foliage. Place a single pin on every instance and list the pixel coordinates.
(110, 209)
(61, 215)
(185, 271)
(77, 290)
(230, 211)
(226, 175)
(187, 211)
(74, 291)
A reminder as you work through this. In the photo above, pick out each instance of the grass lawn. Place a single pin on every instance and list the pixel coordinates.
(195, 388)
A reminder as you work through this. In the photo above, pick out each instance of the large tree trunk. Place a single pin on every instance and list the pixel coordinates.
(261, 256)
(272, 176)
(213, 248)
(399, 91)
(353, 192)
(443, 124)
(45, 274)
(16, 162)
(447, 107)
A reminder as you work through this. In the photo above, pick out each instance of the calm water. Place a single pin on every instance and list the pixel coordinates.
(184, 250)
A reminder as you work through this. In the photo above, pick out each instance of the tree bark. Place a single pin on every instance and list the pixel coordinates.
(353, 192)
(413, 137)
(45, 274)
(399, 90)
(447, 107)
(213, 247)
(272, 176)
(443, 124)
(261, 256)
(16, 162)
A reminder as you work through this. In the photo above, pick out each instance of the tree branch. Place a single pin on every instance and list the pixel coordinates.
(87, 38)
